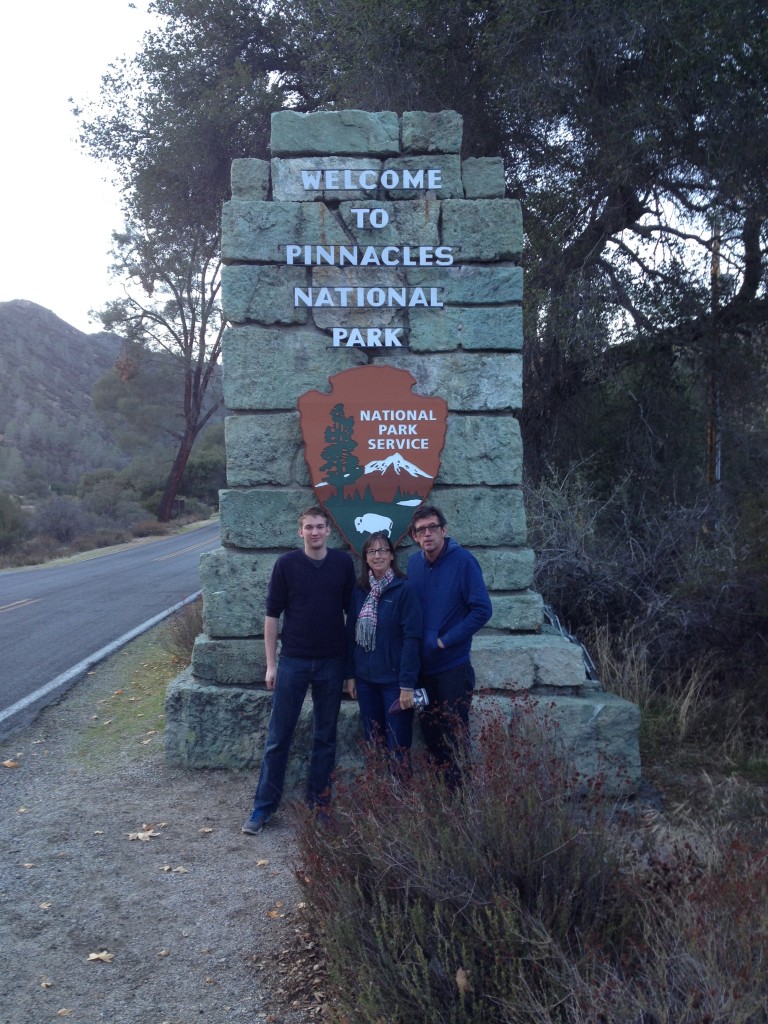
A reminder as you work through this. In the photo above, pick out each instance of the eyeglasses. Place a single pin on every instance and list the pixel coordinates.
(420, 531)
(377, 551)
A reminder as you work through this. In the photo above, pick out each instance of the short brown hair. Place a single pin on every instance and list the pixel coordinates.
(314, 510)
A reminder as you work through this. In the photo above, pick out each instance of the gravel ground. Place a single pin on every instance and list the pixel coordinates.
(117, 854)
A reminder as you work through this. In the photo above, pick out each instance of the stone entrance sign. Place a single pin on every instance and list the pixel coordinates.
(369, 269)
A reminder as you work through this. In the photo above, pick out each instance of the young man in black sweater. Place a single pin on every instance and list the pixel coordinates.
(310, 588)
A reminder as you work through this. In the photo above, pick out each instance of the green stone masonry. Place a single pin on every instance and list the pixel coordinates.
(441, 227)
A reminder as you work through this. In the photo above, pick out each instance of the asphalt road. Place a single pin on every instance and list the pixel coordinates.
(54, 617)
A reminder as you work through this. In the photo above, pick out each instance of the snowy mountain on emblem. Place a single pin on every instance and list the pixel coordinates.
(397, 463)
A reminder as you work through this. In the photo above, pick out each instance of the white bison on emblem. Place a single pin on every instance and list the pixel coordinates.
(373, 523)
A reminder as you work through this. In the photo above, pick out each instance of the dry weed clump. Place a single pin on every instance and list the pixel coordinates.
(528, 898)
(179, 633)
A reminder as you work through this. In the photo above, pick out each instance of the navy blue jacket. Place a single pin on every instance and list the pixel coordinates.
(395, 658)
(454, 602)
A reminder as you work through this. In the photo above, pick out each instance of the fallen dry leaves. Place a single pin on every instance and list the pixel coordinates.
(302, 975)
(104, 956)
(146, 832)
(274, 914)
(144, 836)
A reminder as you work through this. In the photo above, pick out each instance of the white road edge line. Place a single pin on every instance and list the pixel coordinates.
(63, 682)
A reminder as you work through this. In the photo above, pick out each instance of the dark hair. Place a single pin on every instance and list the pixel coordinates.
(314, 510)
(424, 512)
(379, 535)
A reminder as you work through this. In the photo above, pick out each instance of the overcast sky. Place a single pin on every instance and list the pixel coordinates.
(58, 211)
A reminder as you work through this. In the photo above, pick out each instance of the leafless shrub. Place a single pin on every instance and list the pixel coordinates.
(678, 594)
(518, 902)
(179, 632)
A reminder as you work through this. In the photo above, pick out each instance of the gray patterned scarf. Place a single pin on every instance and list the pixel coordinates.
(365, 631)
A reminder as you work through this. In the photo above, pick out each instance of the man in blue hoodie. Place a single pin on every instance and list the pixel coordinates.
(449, 583)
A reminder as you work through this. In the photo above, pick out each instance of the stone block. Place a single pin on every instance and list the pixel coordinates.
(262, 293)
(225, 727)
(249, 178)
(507, 568)
(470, 382)
(482, 450)
(598, 733)
(438, 132)
(470, 328)
(259, 518)
(328, 317)
(330, 132)
(451, 185)
(483, 177)
(258, 232)
(229, 662)
(263, 449)
(212, 726)
(478, 518)
(526, 661)
(289, 184)
(521, 612)
(411, 222)
(483, 229)
(269, 369)
(465, 285)
(235, 587)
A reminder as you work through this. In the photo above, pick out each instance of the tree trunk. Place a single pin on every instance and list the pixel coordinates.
(177, 472)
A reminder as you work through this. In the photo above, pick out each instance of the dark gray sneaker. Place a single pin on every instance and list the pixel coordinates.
(256, 822)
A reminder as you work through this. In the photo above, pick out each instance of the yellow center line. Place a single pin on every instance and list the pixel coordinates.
(182, 551)
(19, 604)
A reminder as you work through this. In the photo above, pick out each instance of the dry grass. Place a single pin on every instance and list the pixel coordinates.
(179, 632)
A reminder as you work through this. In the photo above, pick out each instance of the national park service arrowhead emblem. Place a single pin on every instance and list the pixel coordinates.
(373, 449)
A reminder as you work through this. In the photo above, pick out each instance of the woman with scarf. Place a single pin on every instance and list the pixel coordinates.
(384, 635)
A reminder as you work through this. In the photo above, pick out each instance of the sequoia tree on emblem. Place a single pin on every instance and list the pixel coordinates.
(373, 449)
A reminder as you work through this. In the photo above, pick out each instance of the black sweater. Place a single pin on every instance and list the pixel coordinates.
(312, 597)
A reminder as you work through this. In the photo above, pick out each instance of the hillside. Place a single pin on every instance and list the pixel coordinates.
(49, 430)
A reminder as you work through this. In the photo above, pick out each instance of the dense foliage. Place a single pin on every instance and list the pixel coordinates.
(635, 136)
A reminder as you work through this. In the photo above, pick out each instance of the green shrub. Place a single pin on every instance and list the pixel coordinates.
(63, 518)
(13, 523)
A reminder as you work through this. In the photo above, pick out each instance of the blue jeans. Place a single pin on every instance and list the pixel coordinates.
(445, 721)
(396, 730)
(325, 677)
